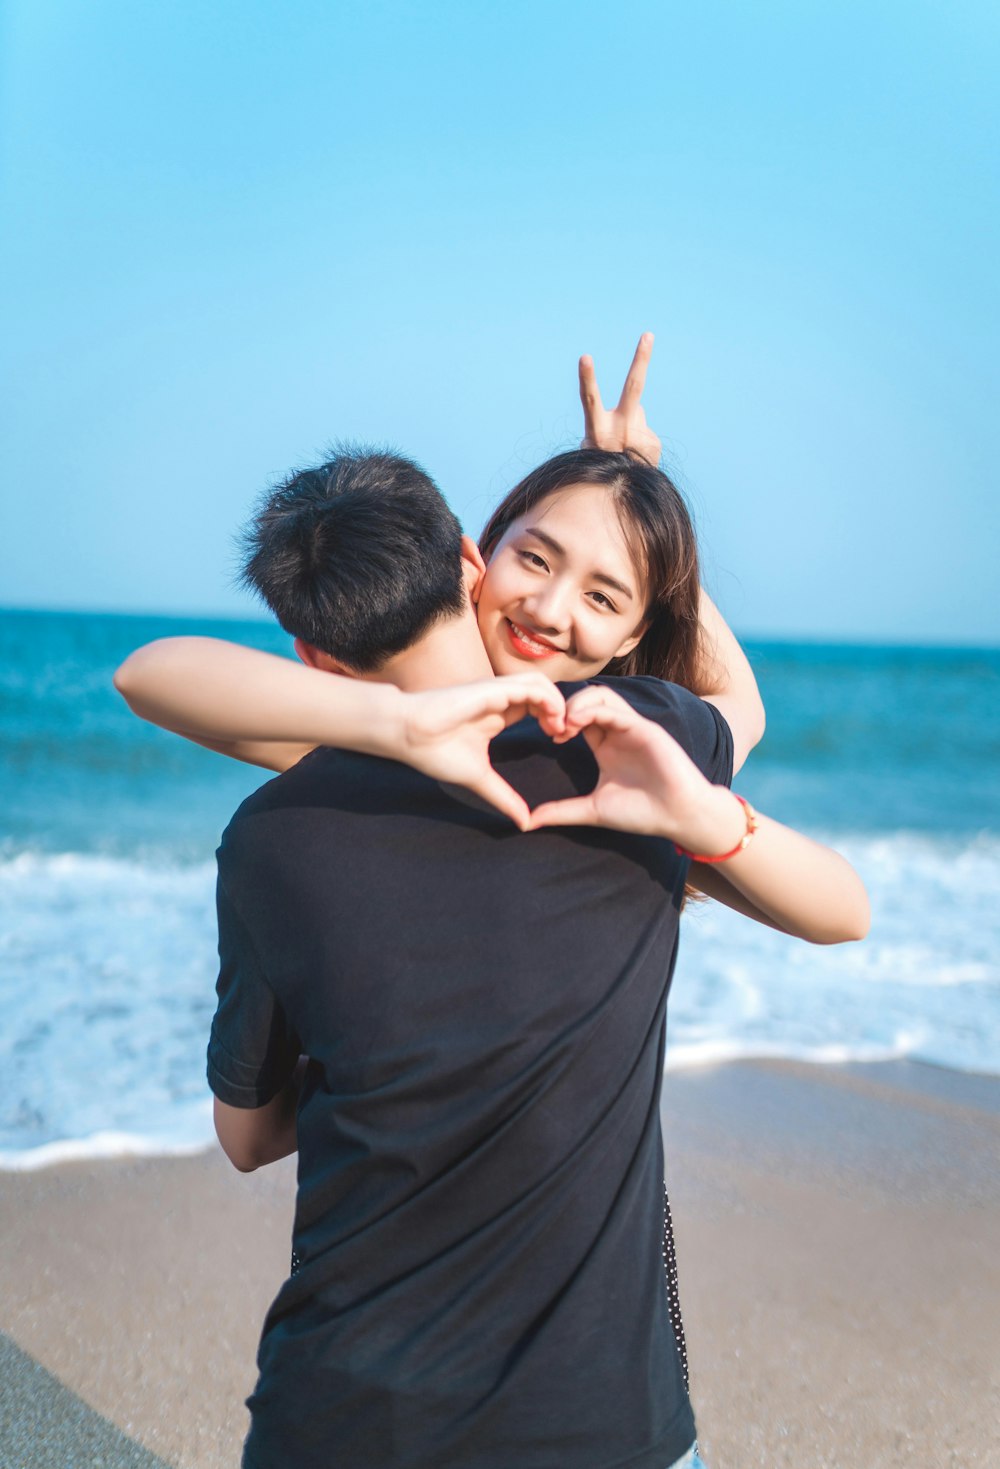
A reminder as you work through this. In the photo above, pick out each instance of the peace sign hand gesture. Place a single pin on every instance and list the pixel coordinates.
(625, 426)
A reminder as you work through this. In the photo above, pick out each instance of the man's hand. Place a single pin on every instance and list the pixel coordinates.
(624, 427)
(646, 783)
(446, 733)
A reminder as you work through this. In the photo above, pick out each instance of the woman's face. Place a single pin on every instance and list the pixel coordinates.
(561, 592)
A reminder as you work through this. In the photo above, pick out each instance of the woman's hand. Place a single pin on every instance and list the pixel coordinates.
(646, 783)
(625, 426)
(446, 733)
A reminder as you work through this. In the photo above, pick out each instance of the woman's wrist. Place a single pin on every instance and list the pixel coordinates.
(721, 828)
(386, 726)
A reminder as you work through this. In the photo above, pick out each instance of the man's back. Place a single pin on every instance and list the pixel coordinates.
(477, 1274)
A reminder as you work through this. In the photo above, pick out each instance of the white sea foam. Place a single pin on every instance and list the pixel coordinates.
(108, 983)
(925, 983)
(681, 1057)
(99, 1145)
(108, 972)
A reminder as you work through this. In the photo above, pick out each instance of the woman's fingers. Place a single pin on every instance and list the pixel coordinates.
(531, 692)
(635, 382)
(576, 811)
(590, 397)
(552, 723)
(494, 788)
(597, 705)
(538, 696)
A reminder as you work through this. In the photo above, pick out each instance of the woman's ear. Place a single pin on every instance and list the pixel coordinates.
(473, 568)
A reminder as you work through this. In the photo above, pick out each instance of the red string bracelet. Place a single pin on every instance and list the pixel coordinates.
(743, 842)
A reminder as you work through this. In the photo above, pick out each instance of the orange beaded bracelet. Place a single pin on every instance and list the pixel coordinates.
(741, 845)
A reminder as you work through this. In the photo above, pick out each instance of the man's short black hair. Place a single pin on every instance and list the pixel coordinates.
(359, 556)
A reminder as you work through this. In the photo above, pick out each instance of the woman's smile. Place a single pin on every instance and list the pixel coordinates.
(530, 644)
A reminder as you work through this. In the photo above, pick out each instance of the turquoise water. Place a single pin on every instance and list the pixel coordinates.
(879, 739)
(78, 773)
(108, 830)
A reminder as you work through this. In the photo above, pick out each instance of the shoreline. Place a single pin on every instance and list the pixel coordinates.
(835, 1228)
(906, 1074)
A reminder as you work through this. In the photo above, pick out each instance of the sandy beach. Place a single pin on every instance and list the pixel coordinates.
(837, 1232)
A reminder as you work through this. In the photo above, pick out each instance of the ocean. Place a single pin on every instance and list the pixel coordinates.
(108, 829)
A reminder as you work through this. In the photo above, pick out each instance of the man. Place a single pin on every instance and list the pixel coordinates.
(476, 1277)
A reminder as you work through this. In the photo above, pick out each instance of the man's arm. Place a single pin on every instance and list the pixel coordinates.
(724, 676)
(255, 1061)
(646, 783)
(253, 1136)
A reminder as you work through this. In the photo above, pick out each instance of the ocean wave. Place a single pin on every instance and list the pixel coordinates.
(687, 1057)
(109, 971)
(102, 1145)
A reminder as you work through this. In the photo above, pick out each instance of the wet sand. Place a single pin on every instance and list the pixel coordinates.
(837, 1233)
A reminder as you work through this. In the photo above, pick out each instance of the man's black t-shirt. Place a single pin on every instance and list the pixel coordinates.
(477, 1278)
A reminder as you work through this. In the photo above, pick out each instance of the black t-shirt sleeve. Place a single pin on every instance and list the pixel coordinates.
(252, 1050)
(698, 727)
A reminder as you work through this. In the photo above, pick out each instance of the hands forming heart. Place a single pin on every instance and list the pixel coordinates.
(646, 783)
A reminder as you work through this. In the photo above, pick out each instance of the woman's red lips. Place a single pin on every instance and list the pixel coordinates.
(530, 644)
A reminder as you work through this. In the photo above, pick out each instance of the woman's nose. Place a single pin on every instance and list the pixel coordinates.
(548, 607)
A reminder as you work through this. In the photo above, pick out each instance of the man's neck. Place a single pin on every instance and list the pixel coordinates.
(451, 652)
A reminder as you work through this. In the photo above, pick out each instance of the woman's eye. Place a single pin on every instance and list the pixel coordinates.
(533, 559)
(603, 601)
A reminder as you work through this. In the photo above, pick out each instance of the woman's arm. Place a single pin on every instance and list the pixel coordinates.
(273, 711)
(788, 881)
(726, 680)
(648, 784)
(724, 676)
(254, 706)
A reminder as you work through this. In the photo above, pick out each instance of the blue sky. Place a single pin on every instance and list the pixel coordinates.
(233, 232)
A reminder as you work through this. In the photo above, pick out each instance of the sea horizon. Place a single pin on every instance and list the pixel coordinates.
(890, 752)
(749, 638)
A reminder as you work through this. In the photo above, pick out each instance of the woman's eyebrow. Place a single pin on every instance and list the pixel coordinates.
(601, 576)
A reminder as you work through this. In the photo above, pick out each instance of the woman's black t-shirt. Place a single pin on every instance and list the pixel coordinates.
(477, 1275)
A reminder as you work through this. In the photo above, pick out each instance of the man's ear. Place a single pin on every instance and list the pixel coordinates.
(316, 658)
(473, 568)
